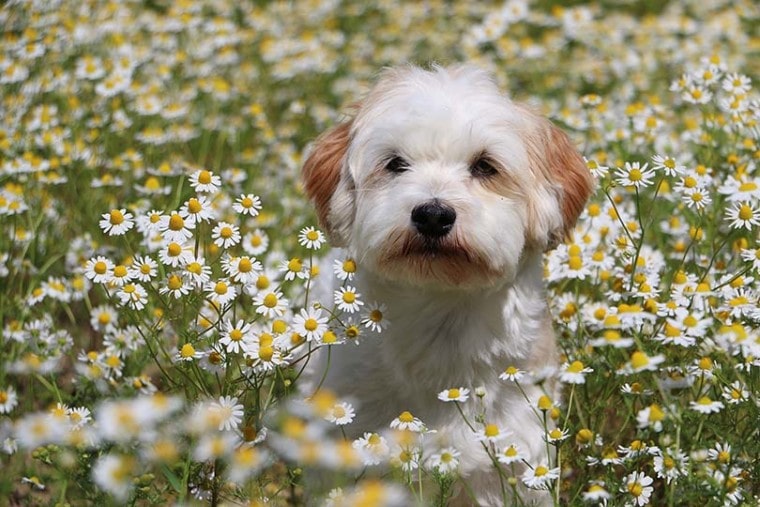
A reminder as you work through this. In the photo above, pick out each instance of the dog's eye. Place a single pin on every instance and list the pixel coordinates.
(397, 165)
(482, 168)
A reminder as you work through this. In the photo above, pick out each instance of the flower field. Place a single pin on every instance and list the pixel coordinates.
(157, 254)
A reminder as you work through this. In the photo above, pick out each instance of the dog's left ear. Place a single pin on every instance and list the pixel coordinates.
(556, 160)
(328, 184)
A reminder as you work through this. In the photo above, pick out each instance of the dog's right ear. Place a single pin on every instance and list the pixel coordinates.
(328, 184)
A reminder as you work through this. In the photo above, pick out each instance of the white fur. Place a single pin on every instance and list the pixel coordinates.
(446, 332)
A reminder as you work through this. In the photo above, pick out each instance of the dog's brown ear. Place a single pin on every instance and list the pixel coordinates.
(322, 171)
(569, 171)
(560, 163)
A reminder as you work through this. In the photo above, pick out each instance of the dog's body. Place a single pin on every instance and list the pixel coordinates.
(447, 194)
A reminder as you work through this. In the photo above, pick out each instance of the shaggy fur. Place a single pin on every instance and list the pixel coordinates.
(465, 305)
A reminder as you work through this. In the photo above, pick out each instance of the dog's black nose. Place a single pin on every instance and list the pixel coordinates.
(433, 219)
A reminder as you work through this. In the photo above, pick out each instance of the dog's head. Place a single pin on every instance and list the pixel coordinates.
(440, 179)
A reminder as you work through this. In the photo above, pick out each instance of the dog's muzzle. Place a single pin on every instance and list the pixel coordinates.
(433, 219)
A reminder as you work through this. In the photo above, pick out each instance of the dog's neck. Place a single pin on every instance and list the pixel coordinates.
(469, 332)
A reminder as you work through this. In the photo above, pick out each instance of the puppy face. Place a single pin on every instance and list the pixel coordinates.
(441, 180)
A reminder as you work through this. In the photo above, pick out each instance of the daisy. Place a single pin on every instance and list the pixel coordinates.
(406, 421)
(176, 229)
(341, 414)
(114, 474)
(555, 435)
(344, 269)
(197, 272)
(696, 197)
(255, 242)
(175, 286)
(227, 412)
(668, 165)
(143, 268)
(574, 373)
(120, 276)
(347, 299)
(220, 292)
(117, 222)
(103, 317)
(187, 353)
(175, 254)
(540, 477)
(79, 417)
(270, 304)
(294, 268)
(374, 317)
(372, 447)
(242, 269)
(245, 462)
(743, 215)
(236, 337)
(247, 204)
(225, 235)
(640, 361)
(205, 181)
(133, 295)
(512, 374)
(597, 169)
(638, 486)
(444, 461)
(735, 393)
(705, 405)
(99, 269)
(491, 433)
(310, 324)
(460, 394)
(634, 175)
(670, 465)
(736, 84)
(311, 238)
(596, 493)
(8, 399)
(198, 209)
(651, 416)
(510, 454)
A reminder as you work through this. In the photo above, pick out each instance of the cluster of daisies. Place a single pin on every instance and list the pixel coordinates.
(159, 267)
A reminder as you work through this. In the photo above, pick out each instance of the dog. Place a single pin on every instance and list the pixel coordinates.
(447, 193)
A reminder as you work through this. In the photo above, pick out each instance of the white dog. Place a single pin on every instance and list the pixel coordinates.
(447, 194)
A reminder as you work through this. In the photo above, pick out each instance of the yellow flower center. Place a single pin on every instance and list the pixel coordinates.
(745, 212)
(374, 439)
(194, 205)
(175, 282)
(174, 249)
(639, 359)
(349, 297)
(453, 393)
(270, 300)
(220, 288)
(129, 288)
(145, 269)
(187, 351)
(312, 235)
(256, 240)
(491, 430)
(635, 488)
(511, 370)
(655, 413)
(100, 267)
(176, 222)
(310, 324)
(3, 396)
(376, 315)
(195, 268)
(155, 218)
(116, 217)
(510, 452)
(204, 177)
(266, 353)
(245, 265)
(575, 263)
(540, 471)
(406, 417)
(349, 266)
(635, 175)
(236, 335)
(226, 232)
(295, 265)
(748, 186)
(262, 282)
(120, 271)
(575, 367)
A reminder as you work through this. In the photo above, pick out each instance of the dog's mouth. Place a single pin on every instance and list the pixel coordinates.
(449, 260)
